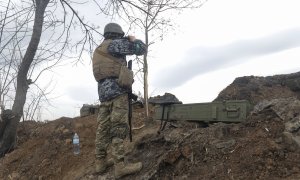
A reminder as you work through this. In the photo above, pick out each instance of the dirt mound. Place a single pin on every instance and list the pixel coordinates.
(44, 149)
(45, 152)
(260, 148)
(256, 89)
(265, 146)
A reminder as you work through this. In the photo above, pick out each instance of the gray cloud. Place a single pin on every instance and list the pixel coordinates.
(201, 60)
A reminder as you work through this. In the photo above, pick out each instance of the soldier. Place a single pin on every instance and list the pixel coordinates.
(114, 80)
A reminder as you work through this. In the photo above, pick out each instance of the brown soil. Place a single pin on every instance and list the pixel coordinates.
(255, 149)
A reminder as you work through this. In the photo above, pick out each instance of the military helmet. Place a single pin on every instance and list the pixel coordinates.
(113, 28)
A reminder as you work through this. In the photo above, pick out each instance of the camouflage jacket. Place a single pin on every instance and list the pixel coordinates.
(109, 88)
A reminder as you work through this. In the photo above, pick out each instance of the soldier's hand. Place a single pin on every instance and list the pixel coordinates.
(131, 38)
(133, 97)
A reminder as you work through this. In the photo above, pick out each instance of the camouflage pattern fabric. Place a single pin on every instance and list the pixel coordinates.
(112, 127)
(113, 112)
(119, 48)
(109, 89)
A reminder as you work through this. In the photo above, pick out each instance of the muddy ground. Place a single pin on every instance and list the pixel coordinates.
(265, 146)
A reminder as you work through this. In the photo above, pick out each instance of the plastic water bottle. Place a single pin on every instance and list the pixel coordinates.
(76, 145)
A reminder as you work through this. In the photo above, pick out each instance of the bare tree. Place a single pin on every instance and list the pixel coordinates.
(35, 35)
(154, 19)
(9, 63)
(25, 55)
(35, 101)
(8, 136)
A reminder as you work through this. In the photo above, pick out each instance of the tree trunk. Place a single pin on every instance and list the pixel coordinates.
(8, 138)
(146, 86)
(146, 75)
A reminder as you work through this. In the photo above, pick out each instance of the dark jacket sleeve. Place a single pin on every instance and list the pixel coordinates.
(125, 47)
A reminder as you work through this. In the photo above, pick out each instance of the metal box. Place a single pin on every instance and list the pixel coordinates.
(226, 111)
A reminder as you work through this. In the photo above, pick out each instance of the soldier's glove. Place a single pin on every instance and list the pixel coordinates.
(133, 97)
(125, 78)
(139, 47)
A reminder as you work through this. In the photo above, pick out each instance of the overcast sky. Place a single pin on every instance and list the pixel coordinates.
(212, 46)
(200, 60)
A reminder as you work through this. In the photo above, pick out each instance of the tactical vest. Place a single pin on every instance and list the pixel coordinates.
(104, 64)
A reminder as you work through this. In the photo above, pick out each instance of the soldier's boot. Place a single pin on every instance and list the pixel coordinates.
(122, 169)
(103, 164)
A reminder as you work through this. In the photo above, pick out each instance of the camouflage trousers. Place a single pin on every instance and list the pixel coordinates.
(112, 128)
